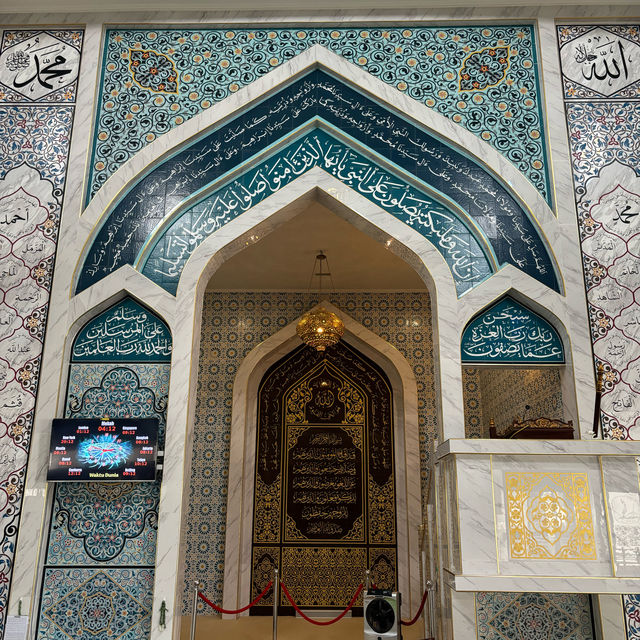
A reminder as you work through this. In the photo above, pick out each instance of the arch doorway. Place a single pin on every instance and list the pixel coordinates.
(324, 492)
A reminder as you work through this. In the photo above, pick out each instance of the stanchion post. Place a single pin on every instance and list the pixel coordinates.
(276, 595)
(194, 612)
(367, 580)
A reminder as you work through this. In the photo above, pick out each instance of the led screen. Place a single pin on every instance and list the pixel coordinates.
(103, 450)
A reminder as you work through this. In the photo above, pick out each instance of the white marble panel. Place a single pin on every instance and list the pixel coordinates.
(568, 584)
(477, 525)
(609, 617)
(622, 495)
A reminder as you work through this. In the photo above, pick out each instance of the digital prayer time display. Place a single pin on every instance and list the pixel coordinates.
(103, 450)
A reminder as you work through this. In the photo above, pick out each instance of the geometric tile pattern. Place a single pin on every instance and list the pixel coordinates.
(533, 616)
(233, 323)
(95, 523)
(549, 516)
(37, 95)
(602, 105)
(506, 393)
(87, 604)
(484, 78)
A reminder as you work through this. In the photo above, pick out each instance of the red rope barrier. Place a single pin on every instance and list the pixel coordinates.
(415, 619)
(231, 612)
(311, 620)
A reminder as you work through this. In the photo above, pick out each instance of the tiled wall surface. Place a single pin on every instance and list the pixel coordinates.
(503, 393)
(601, 78)
(38, 73)
(601, 85)
(99, 566)
(484, 78)
(533, 616)
(233, 323)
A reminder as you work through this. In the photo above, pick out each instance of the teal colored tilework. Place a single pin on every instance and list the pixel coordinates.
(233, 323)
(461, 244)
(533, 616)
(509, 333)
(85, 604)
(485, 78)
(127, 333)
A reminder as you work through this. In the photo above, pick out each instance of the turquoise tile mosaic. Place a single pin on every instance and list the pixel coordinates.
(509, 333)
(96, 603)
(453, 200)
(533, 616)
(233, 323)
(102, 536)
(485, 78)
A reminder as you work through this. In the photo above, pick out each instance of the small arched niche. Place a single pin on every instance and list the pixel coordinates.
(513, 369)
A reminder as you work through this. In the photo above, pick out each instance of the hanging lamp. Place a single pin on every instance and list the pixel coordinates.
(320, 328)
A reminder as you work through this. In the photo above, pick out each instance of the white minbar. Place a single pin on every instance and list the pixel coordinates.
(539, 515)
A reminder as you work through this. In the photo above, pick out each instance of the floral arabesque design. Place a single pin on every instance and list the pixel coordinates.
(153, 70)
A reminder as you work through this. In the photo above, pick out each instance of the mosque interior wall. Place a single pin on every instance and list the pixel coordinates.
(520, 85)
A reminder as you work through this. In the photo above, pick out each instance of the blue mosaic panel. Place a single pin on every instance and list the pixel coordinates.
(126, 333)
(484, 78)
(533, 616)
(108, 391)
(509, 333)
(38, 71)
(632, 616)
(109, 526)
(466, 258)
(464, 186)
(94, 523)
(233, 323)
(85, 604)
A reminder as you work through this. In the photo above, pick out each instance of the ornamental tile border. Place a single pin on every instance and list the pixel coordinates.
(484, 78)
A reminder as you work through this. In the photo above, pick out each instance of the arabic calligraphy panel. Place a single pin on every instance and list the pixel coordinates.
(600, 61)
(35, 65)
(508, 332)
(330, 461)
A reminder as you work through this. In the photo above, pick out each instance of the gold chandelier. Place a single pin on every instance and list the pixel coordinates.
(320, 328)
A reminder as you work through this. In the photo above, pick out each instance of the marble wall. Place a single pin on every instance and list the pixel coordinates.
(38, 75)
(233, 323)
(101, 548)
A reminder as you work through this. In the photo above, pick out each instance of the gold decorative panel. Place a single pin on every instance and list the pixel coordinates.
(323, 576)
(325, 481)
(549, 516)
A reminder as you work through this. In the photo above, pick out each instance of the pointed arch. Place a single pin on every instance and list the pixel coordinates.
(454, 185)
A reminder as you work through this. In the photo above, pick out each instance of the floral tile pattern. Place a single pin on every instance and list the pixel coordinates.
(96, 603)
(601, 77)
(599, 64)
(233, 323)
(483, 78)
(533, 616)
(107, 525)
(632, 614)
(36, 114)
